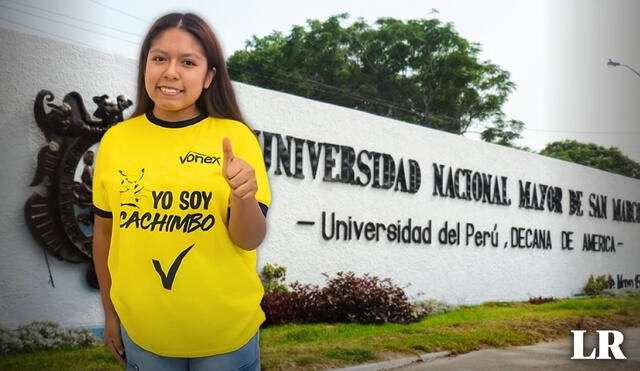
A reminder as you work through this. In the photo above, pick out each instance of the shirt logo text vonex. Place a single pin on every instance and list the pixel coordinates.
(192, 156)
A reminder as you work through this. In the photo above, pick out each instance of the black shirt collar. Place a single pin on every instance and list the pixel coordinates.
(174, 124)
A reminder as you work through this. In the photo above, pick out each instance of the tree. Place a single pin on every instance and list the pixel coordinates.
(593, 155)
(504, 132)
(420, 71)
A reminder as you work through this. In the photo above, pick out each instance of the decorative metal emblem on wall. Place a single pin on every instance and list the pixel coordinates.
(62, 220)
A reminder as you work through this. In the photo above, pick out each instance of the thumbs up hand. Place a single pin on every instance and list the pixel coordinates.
(239, 175)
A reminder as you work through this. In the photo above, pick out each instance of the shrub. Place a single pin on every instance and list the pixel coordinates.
(431, 307)
(541, 300)
(345, 298)
(273, 278)
(300, 304)
(500, 304)
(9, 341)
(595, 286)
(43, 335)
(367, 299)
(280, 307)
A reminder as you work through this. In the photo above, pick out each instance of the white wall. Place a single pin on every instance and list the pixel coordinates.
(29, 64)
(455, 274)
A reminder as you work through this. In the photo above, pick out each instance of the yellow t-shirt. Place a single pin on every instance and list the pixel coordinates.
(180, 286)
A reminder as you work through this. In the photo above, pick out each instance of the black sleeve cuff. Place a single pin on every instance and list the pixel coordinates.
(264, 208)
(103, 213)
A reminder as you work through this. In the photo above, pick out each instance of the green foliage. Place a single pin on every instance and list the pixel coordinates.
(328, 346)
(593, 155)
(540, 300)
(431, 307)
(351, 354)
(419, 71)
(500, 304)
(43, 335)
(273, 277)
(345, 298)
(584, 303)
(595, 286)
(503, 132)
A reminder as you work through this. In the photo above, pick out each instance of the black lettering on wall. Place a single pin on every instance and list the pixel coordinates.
(567, 240)
(283, 155)
(415, 178)
(626, 211)
(598, 206)
(314, 155)
(486, 188)
(438, 180)
(479, 187)
(267, 139)
(451, 184)
(528, 238)
(348, 158)
(364, 168)
(401, 180)
(350, 229)
(592, 242)
(330, 162)
(540, 197)
(575, 203)
(388, 171)
(299, 145)
(376, 169)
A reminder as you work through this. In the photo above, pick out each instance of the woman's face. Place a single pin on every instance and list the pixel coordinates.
(175, 74)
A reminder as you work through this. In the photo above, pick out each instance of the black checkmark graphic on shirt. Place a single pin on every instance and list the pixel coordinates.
(167, 279)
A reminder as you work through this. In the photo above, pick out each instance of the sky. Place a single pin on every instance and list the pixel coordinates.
(556, 51)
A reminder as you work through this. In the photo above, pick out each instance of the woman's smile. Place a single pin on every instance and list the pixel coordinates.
(171, 92)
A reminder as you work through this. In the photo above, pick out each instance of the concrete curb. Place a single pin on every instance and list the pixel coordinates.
(395, 363)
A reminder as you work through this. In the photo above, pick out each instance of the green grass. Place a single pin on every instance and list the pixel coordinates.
(321, 346)
(352, 354)
(62, 359)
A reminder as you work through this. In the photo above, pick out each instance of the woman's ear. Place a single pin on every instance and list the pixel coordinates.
(209, 78)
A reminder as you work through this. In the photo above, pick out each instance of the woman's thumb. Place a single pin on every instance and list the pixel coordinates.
(227, 150)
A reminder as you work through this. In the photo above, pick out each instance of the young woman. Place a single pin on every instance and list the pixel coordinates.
(180, 195)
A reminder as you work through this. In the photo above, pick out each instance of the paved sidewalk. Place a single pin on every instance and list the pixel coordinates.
(395, 363)
(554, 355)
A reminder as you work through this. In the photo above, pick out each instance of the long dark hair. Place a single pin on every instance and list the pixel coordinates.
(218, 100)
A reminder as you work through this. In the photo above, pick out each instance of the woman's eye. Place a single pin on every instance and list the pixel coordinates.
(189, 63)
(157, 58)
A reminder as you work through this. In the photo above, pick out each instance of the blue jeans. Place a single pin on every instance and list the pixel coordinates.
(246, 358)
